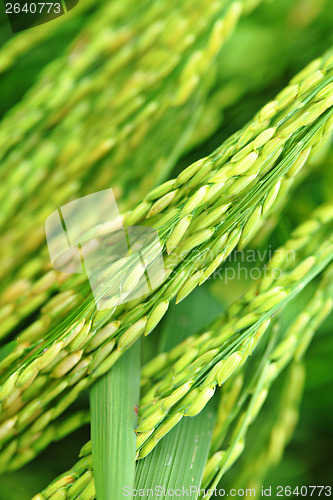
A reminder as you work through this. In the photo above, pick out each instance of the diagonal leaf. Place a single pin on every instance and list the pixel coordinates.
(177, 463)
(114, 399)
(188, 317)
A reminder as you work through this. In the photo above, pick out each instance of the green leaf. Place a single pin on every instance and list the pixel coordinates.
(178, 461)
(114, 399)
(188, 317)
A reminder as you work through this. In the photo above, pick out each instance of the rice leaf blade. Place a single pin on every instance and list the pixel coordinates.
(113, 401)
(179, 459)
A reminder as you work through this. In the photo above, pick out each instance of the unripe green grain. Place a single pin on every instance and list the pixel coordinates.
(132, 334)
(242, 166)
(142, 437)
(200, 176)
(9, 385)
(203, 360)
(139, 213)
(155, 365)
(81, 339)
(89, 492)
(7, 453)
(189, 172)
(221, 242)
(72, 332)
(70, 397)
(106, 333)
(7, 426)
(133, 278)
(62, 482)
(162, 203)
(156, 315)
(269, 110)
(237, 450)
(300, 162)
(195, 240)
(151, 420)
(212, 268)
(194, 201)
(28, 375)
(79, 485)
(176, 395)
(66, 364)
(310, 82)
(178, 233)
(302, 269)
(240, 184)
(29, 413)
(49, 355)
(101, 354)
(263, 138)
(176, 283)
(240, 155)
(271, 197)
(208, 218)
(272, 296)
(250, 225)
(106, 364)
(287, 96)
(161, 190)
(53, 392)
(200, 402)
(232, 241)
(258, 127)
(228, 367)
(246, 321)
(145, 450)
(188, 286)
(211, 379)
(42, 421)
(59, 495)
(185, 359)
(212, 467)
(167, 426)
(80, 371)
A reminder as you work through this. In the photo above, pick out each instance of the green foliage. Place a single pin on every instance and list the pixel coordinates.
(212, 122)
(113, 401)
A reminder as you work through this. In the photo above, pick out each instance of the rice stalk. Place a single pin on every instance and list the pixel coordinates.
(289, 350)
(25, 41)
(307, 322)
(43, 433)
(279, 429)
(78, 378)
(212, 359)
(215, 189)
(146, 105)
(24, 283)
(35, 282)
(223, 351)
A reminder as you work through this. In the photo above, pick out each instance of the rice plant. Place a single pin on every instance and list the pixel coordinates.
(229, 161)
